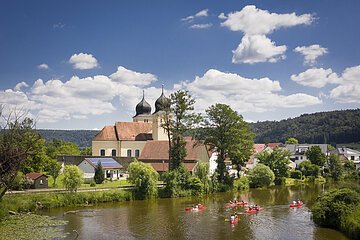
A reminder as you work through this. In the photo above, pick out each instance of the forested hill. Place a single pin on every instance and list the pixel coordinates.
(324, 127)
(82, 138)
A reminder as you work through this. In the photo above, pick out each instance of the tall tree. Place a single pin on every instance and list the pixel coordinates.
(99, 176)
(73, 177)
(335, 167)
(277, 160)
(292, 141)
(58, 147)
(16, 143)
(316, 156)
(53, 169)
(38, 160)
(229, 135)
(178, 120)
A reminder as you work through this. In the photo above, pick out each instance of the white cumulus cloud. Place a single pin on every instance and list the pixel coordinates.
(20, 85)
(201, 26)
(83, 61)
(251, 20)
(129, 77)
(311, 53)
(202, 13)
(257, 48)
(316, 77)
(43, 66)
(243, 94)
(349, 89)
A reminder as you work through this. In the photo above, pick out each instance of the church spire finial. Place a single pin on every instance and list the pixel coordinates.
(143, 94)
(162, 88)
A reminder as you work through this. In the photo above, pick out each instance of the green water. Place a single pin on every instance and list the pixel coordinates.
(167, 219)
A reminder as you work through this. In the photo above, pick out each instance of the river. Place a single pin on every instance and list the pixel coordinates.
(167, 219)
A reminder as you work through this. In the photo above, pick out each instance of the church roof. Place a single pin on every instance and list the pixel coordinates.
(131, 131)
(162, 103)
(143, 107)
(159, 150)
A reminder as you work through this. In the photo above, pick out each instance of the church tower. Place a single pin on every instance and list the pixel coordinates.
(143, 111)
(162, 106)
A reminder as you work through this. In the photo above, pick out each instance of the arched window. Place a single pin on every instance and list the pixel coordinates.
(102, 152)
(128, 153)
(137, 153)
(113, 152)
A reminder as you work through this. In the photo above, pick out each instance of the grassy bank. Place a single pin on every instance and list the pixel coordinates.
(34, 202)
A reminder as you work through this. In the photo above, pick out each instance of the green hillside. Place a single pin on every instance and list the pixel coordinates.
(323, 127)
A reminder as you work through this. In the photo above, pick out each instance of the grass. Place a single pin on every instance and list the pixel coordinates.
(109, 184)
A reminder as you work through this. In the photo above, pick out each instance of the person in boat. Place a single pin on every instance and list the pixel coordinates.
(299, 202)
(232, 218)
(294, 202)
(256, 207)
(242, 201)
(235, 200)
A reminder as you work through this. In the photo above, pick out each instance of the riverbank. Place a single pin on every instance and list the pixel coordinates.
(34, 202)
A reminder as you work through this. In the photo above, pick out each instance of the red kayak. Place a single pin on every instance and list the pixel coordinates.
(195, 209)
(253, 210)
(236, 204)
(296, 204)
(235, 221)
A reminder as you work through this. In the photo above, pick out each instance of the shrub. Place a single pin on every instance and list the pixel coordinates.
(99, 176)
(280, 181)
(332, 208)
(241, 183)
(297, 174)
(92, 184)
(351, 224)
(144, 178)
(73, 177)
(261, 176)
(309, 169)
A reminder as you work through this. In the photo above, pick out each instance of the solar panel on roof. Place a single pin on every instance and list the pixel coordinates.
(105, 162)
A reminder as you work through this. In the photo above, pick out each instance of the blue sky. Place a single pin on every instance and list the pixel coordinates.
(84, 64)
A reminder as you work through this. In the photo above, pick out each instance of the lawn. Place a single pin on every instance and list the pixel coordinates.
(59, 183)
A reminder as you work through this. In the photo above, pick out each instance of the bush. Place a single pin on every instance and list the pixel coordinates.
(351, 224)
(280, 181)
(73, 177)
(144, 178)
(297, 174)
(309, 169)
(261, 176)
(93, 184)
(241, 183)
(332, 208)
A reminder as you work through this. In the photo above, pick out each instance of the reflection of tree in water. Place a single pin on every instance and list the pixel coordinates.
(262, 196)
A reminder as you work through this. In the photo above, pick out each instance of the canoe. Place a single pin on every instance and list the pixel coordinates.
(236, 204)
(296, 205)
(235, 221)
(253, 210)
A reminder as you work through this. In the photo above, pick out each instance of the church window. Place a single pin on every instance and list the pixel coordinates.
(102, 152)
(137, 153)
(128, 153)
(113, 152)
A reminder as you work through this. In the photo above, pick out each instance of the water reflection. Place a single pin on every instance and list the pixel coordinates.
(166, 218)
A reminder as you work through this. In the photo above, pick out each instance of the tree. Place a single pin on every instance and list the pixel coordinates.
(309, 169)
(316, 156)
(292, 141)
(144, 178)
(99, 176)
(335, 167)
(53, 169)
(16, 143)
(229, 135)
(261, 176)
(277, 160)
(202, 172)
(73, 177)
(58, 147)
(38, 160)
(349, 166)
(86, 151)
(179, 119)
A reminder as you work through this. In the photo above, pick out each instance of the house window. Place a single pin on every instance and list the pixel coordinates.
(128, 153)
(352, 157)
(102, 152)
(41, 182)
(113, 152)
(137, 153)
(146, 120)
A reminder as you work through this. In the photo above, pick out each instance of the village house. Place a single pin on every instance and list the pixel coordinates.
(112, 169)
(298, 151)
(40, 180)
(345, 153)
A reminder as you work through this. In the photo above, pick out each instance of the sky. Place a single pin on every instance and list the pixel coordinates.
(85, 64)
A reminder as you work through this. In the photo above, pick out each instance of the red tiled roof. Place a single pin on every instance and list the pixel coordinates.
(34, 175)
(162, 167)
(138, 131)
(259, 147)
(108, 133)
(159, 150)
(273, 145)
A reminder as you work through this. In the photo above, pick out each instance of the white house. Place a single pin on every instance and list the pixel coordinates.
(112, 169)
(298, 151)
(349, 154)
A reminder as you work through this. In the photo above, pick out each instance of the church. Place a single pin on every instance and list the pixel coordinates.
(145, 139)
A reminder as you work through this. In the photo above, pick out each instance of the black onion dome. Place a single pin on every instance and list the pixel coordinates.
(162, 103)
(143, 107)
